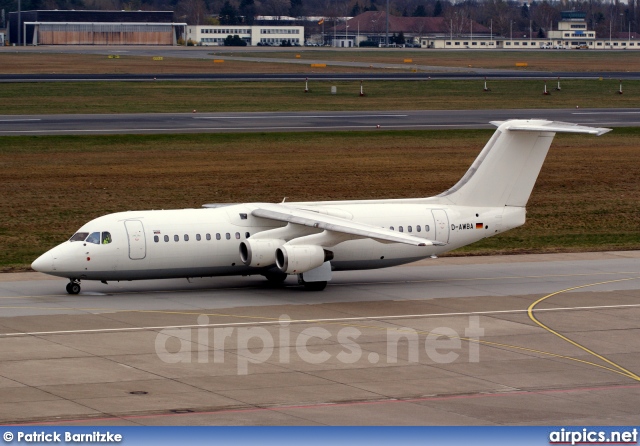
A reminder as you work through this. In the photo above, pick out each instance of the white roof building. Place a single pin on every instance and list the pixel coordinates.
(208, 35)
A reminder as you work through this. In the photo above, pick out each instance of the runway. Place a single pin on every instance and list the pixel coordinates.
(88, 124)
(400, 71)
(533, 339)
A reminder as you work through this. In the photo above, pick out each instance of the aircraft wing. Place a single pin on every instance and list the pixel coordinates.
(336, 224)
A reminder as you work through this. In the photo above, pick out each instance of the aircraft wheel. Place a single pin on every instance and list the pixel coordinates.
(73, 288)
(276, 278)
(315, 286)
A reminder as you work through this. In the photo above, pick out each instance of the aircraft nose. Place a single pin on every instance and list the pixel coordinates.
(44, 263)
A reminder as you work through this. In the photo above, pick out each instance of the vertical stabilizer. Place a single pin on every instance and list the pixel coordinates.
(507, 168)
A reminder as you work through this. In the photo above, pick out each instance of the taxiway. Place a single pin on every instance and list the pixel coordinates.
(558, 344)
(155, 123)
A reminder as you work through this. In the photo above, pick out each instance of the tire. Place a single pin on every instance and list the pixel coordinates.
(315, 286)
(276, 278)
(73, 288)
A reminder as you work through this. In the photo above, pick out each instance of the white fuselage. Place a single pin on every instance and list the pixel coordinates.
(205, 242)
(313, 239)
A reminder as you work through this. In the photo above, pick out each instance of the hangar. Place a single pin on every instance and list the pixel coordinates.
(59, 27)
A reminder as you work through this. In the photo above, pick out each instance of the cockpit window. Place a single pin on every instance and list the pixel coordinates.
(94, 238)
(79, 237)
(106, 238)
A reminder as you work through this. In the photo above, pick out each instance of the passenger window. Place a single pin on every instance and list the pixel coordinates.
(106, 238)
(237, 235)
(409, 229)
(391, 227)
(218, 236)
(94, 238)
(426, 228)
(228, 236)
(418, 228)
(198, 238)
(247, 235)
(176, 238)
(156, 238)
(166, 238)
(208, 236)
(400, 228)
(186, 237)
(79, 237)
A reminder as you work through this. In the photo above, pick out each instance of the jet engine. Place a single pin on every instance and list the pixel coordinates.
(259, 253)
(296, 259)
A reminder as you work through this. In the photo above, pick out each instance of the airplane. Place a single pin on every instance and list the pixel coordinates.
(313, 239)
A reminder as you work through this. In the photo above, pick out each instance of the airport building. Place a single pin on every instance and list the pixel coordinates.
(371, 26)
(439, 33)
(253, 35)
(572, 33)
(59, 27)
(572, 26)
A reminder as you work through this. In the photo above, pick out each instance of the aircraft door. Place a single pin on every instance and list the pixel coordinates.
(441, 225)
(137, 242)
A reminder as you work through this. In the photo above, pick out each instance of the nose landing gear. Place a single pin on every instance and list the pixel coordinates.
(73, 287)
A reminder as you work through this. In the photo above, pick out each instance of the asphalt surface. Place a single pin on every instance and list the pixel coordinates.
(157, 352)
(426, 74)
(234, 351)
(299, 121)
(403, 71)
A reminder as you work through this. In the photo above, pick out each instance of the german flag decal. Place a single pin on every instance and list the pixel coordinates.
(479, 226)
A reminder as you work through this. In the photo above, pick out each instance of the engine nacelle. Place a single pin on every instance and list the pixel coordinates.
(296, 259)
(259, 253)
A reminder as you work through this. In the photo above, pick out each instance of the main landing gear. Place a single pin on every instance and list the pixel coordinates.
(73, 287)
(275, 278)
(311, 286)
(314, 286)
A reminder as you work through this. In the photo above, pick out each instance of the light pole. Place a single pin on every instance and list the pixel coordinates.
(387, 35)
(346, 38)
(610, 21)
(19, 20)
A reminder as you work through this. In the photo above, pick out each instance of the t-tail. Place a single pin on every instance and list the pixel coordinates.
(507, 168)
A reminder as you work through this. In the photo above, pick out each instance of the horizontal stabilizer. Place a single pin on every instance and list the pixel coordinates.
(218, 205)
(551, 126)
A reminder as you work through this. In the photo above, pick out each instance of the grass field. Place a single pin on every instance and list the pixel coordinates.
(39, 60)
(537, 60)
(176, 97)
(49, 63)
(586, 197)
